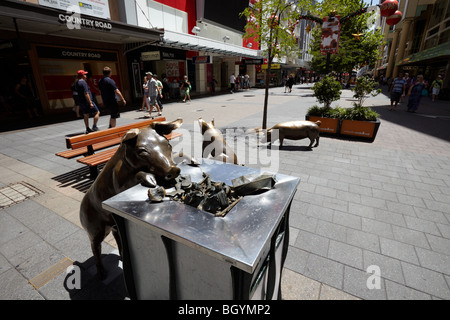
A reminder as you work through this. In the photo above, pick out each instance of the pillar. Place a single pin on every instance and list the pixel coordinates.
(391, 60)
(402, 44)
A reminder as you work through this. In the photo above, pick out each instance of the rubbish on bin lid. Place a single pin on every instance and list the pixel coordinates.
(156, 194)
(210, 196)
(253, 183)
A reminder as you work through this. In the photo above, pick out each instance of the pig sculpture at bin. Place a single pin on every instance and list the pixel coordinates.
(214, 144)
(143, 156)
(295, 130)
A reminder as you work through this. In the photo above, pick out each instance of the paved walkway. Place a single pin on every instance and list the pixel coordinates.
(381, 207)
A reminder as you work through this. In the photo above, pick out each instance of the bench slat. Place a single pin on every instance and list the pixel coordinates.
(68, 154)
(104, 156)
(84, 140)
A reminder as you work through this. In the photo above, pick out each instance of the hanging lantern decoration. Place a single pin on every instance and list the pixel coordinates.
(388, 8)
(273, 21)
(394, 19)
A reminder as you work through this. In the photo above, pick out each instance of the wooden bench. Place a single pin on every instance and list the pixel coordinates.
(87, 144)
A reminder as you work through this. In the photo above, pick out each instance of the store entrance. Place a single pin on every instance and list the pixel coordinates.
(17, 80)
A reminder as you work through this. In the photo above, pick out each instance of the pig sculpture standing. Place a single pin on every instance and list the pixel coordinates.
(214, 144)
(143, 156)
(295, 130)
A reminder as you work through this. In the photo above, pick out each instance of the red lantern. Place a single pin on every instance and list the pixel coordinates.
(394, 19)
(388, 8)
(273, 21)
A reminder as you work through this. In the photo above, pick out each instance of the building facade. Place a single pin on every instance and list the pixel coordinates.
(49, 43)
(419, 43)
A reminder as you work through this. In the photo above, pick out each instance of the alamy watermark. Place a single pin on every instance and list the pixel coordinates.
(374, 280)
(249, 146)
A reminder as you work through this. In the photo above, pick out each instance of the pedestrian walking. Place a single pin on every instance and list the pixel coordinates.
(160, 96)
(186, 86)
(110, 96)
(153, 92)
(232, 83)
(76, 103)
(415, 94)
(396, 90)
(213, 84)
(409, 83)
(87, 105)
(24, 98)
(436, 86)
(145, 106)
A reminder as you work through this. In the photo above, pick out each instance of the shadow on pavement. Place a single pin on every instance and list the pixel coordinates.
(432, 118)
(83, 284)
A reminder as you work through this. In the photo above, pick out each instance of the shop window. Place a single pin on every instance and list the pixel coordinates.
(59, 74)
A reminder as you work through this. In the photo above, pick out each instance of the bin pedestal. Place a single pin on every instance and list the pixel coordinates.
(175, 251)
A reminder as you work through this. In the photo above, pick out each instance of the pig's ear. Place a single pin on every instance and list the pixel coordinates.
(131, 134)
(203, 125)
(166, 127)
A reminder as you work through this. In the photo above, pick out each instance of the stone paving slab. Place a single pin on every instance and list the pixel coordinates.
(384, 204)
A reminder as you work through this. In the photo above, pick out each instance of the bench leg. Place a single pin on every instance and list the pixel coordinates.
(93, 172)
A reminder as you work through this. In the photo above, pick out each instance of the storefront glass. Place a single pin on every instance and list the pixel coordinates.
(58, 68)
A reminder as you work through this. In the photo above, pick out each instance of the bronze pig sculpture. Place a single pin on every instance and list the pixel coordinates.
(143, 156)
(295, 130)
(214, 144)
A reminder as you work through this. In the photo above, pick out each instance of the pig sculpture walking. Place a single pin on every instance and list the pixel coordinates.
(295, 130)
(143, 156)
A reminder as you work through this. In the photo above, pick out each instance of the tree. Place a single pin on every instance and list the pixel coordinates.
(327, 90)
(272, 22)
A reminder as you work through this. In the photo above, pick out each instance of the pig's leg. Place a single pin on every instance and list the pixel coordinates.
(312, 141)
(116, 235)
(317, 142)
(96, 246)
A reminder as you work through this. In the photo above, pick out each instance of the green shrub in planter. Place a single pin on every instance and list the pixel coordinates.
(358, 112)
(327, 90)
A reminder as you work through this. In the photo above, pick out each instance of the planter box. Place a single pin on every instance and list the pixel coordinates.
(361, 129)
(329, 125)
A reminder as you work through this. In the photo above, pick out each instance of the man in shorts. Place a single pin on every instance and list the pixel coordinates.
(86, 101)
(398, 86)
(153, 92)
(110, 93)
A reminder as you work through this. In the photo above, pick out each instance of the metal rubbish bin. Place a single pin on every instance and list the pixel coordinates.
(175, 251)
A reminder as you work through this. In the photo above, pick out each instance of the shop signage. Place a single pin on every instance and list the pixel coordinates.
(253, 61)
(172, 69)
(201, 59)
(173, 55)
(74, 54)
(75, 21)
(273, 67)
(94, 8)
(150, 56)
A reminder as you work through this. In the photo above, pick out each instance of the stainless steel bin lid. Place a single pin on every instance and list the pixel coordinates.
(240, 238)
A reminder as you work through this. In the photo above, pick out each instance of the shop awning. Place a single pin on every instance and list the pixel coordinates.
(382, 67)
(36, 19)
(195, 43)
(440, 51)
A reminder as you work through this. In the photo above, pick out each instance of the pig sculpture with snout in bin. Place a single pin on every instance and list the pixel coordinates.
(295, 130)
(143, 156)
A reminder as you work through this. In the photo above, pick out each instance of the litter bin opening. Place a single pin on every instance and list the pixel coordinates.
(213, 197)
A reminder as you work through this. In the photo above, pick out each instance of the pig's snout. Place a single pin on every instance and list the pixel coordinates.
(173, 173)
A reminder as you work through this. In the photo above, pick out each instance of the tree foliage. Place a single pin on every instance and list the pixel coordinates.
(327, 90)
(272, 22)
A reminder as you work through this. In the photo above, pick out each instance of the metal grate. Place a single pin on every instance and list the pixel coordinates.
(16, 193)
